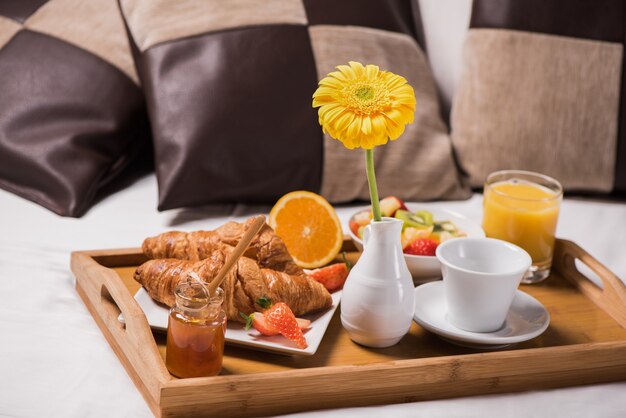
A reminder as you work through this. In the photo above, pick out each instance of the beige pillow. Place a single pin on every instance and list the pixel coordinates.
(543, 94)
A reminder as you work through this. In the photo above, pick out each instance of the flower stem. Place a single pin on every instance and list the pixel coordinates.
(371, 179)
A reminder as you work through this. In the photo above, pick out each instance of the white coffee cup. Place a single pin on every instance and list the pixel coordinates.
(480, 278)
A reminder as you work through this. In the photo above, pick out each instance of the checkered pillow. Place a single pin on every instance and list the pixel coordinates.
(543, 89)
(71, 111)
(229, 84)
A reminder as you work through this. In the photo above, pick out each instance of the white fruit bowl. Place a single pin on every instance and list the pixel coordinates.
(427, 268)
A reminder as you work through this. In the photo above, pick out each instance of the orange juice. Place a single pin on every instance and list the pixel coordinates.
(524, 213)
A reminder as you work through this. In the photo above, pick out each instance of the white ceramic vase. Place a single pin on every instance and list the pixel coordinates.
(378, 301)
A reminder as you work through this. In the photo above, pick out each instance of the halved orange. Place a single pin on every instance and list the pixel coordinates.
(309, 226)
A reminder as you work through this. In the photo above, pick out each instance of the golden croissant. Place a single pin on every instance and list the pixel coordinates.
(267, 249)
(243, 285)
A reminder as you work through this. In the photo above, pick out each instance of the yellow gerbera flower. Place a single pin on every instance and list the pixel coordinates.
(363, 106)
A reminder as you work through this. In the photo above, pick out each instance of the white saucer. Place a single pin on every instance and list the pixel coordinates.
(526, 319)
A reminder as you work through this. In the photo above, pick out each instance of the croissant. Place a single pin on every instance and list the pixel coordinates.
(244, 284)
(267, 249)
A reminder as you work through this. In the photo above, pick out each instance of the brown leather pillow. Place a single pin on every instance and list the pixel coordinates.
(229, 84)
(72, 115)
(543, 89)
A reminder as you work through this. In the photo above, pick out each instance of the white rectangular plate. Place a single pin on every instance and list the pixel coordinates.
(157, 316)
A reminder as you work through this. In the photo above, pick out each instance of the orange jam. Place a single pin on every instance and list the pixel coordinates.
(195, 348)
(195, 332)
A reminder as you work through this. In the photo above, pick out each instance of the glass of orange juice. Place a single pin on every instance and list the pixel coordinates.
(522, 207)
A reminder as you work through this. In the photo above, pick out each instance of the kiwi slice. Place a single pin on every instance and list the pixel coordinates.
(411, 219)
(426, 216)
(446, 226)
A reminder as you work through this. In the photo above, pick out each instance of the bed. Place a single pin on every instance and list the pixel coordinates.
(54, 361)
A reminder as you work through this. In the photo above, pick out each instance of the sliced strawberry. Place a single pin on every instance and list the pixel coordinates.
(422, 246)
(332, 277)
(258, 321)
(304, 324)
(280, 317)
(354, 227)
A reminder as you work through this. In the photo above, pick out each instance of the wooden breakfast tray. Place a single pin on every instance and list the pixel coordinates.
(585, 343)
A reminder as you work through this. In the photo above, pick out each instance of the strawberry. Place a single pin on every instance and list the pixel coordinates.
(422, 246)
(354, 227)
(258, 321)
(332, 277)
(280, 317)
(410, 234)
(304, 324)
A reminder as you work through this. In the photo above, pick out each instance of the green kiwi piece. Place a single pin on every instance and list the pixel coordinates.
(445, 226)
(411, 219)
(426, 216)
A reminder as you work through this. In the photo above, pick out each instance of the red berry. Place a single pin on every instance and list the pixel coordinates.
(332, 277)
(282, 318)
(422, 246)
(354, 227)
(304, 324)
(258, 321)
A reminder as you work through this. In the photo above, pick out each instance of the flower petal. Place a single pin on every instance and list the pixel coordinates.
(343, 121)
(409, 101)
(348, 141)
(394, 81)
(332, 114)
(347, 72)
(324, 110)
(337, 75)
(397, 131)
(357, 68)
(354, 127)
(332, 82)
(323, 100)
(379, 126)
(371, 71)
(366, 125)
(325, 90)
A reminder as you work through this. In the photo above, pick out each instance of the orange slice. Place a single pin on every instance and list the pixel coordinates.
(309, 226)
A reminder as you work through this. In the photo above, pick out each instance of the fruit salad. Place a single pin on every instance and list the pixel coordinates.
(421, 233)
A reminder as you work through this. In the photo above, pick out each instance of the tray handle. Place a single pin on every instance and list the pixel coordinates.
(107, 297)
(611, 298)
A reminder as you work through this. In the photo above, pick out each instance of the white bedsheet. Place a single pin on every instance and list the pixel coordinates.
(54, 360)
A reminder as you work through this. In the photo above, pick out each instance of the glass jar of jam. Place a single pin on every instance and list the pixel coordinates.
(195, 332)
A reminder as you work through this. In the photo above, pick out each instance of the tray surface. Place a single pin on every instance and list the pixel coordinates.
(574, 320)
(584, 343)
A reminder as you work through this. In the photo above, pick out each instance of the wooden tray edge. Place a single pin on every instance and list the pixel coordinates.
(397, 381)
(611, 298)
(105, 296)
